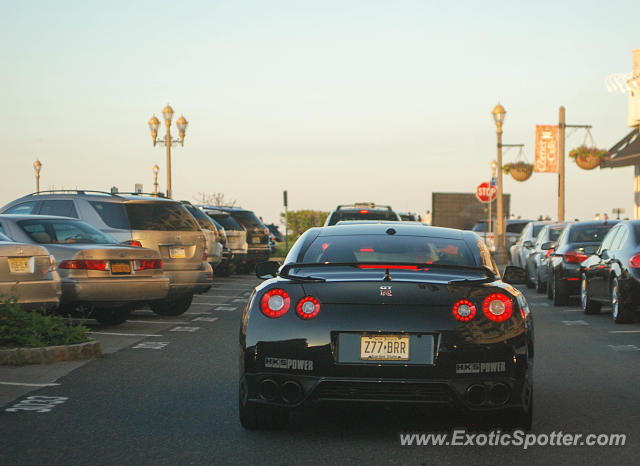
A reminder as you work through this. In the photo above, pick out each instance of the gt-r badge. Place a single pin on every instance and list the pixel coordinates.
(385, 290)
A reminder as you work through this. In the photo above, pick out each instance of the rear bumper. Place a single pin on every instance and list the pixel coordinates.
(33, 294)
(477, 394)
(570, 275)
(190, 281)
(114, 289)
(255, 255)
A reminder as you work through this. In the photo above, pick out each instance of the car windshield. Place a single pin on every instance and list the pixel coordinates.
(248, 219)
(363, 214)
(385, 249)
(554, 233)
(50, 231)
(516, 227)
(536, 229)
(163, 216)
(227, 222)
(480, 226)
(589, 233)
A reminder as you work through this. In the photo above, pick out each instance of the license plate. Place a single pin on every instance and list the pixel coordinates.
(120, 267)
(177, 253)
(256, 240)
(384, 347)
(19, 265)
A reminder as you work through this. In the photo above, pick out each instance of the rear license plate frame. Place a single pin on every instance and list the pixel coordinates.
(177, 253)
(19, 265)
(120, 268)
(380, 342)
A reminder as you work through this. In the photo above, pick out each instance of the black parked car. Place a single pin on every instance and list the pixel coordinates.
(576, 243)
(612, 274)
(257, 235)
(386, 313)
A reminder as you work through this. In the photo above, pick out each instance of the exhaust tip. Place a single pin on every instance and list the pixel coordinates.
(269, 390)
(291, 392)
(499, 394)
(476, 394)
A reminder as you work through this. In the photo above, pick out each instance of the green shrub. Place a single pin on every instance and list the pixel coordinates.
(32, 329)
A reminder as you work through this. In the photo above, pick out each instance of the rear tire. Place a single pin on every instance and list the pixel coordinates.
(112, 316)
(558, 291)
(621, 311)
(172, 306)
(541, 286)
(588, 305)
(256, 417)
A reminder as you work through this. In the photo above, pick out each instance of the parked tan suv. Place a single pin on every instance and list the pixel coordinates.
(138, 220)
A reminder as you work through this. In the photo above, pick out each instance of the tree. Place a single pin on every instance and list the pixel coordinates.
(301, 220)
(214, 199)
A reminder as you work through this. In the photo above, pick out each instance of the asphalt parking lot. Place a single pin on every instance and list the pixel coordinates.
(165, 392)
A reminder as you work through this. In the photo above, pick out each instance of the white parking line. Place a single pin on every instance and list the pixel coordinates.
(30, 384)
(205, 319)
(225, 308)
(572, 310)
(184, 329)
(624, 331)
(574, 322)
(125, 334)
(624, 347)
(206, 296)
(239, 300)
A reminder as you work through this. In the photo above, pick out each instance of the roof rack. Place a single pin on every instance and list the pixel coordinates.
(364, 205)
(76, 191)
(161, 195)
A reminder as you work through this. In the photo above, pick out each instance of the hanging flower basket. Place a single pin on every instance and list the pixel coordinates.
(588, 158)
(520, 171)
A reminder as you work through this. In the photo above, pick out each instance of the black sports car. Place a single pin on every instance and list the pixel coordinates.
(386, 312)
(612, 275)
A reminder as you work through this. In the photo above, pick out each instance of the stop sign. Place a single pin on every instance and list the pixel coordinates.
(486, 192)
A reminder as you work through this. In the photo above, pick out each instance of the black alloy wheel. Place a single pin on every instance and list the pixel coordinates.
(559, 294)
(621, 311)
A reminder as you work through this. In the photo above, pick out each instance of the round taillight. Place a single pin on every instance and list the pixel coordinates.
(497, 307)
(275, 303)
(635, 261)
(464, 310)
(308, 307)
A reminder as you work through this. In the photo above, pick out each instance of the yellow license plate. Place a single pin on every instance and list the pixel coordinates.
(177, 253)
(120, 267)
(384, 347)
(19, 265)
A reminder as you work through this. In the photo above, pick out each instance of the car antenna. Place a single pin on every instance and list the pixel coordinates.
(387, 276)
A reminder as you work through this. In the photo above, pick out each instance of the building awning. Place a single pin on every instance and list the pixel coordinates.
(626, 152)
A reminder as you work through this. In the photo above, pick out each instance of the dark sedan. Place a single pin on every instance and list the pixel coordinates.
(612, 275)
(576, 243)
(386, 313)
(536, 263)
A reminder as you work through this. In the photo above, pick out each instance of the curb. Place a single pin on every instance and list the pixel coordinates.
(50, 354)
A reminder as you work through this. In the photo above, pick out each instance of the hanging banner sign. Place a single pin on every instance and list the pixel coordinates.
(546, 149)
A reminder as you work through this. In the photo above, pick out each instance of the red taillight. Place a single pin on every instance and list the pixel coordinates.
(497, 307)
(308, 307)
(147, 264)
(635, 261)
(83, 265)
(364, 211)
(573, 257)
(366, 250)
(464, 310)
(275, 303)
(549, 252)
(133, 242)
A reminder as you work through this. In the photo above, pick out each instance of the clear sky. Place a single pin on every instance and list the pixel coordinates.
(336, 101)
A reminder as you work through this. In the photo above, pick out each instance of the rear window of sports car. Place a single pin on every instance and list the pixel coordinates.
(389, 249)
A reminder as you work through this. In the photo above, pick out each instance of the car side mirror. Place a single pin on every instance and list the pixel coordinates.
(548, 245)
(267, 269)
(514, 275)
(527, 244)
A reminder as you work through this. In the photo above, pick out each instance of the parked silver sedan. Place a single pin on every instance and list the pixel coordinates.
(98, 273)
(28, 274)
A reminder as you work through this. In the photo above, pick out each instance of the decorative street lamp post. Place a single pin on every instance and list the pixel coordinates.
(499, 114)
(154, 124)
(156, 169)
(37, 166)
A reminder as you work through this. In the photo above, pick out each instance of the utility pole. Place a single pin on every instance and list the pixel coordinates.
(286, 220)
(561, 136)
